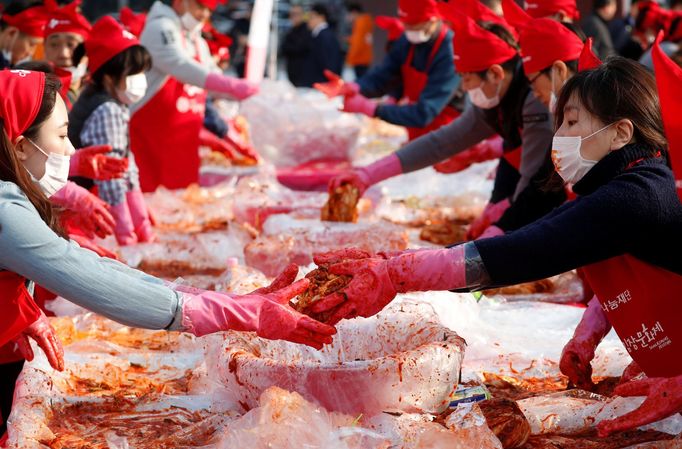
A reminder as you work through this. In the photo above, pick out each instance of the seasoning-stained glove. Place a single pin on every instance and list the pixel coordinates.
(360, 105)
(663, 399)
(481, 152)
(365, 177)
(238, 88)
(92, 214)
(86, 243)
(491, 214)
(578, 353)
(92, 162)
(268, 314)
(215, 143)
(376, 281)
(45, 336)
(336, 86)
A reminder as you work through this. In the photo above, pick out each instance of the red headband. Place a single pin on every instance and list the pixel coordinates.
(669, 80)
(412, 12)
(107, 39)
(66, 19)
(588, 60)
(546, 8)
(134, 22)
(21, 99)
(30, 21)
(477, 11)
(212, 4)
(393, 25)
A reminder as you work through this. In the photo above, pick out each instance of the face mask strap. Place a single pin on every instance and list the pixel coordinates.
(39, 149)
(597, 132)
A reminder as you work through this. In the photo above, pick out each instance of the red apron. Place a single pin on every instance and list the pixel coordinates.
(643, 305)
(164, 135)
(514, 157)
(414, 83)
(18, 312)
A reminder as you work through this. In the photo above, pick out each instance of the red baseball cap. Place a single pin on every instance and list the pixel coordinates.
(66, 19)
(107, 39)
(545, 8)
(412, 12)
(21, 99)
(542, 41)
(30, 21)
(477, 49)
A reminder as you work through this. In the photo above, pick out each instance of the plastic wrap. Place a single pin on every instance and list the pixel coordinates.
(399, 360)
(287, 240)
(290, 127)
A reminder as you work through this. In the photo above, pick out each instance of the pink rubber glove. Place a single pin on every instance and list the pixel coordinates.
(376, 281)
(578, 353)
(44, 334)
(86, 243)
(491, 214)
(663, 399)
(365, 177)
(492, 231)
(124, 229)
(268, 314)
(93, 214)
(92, 162)
(140, 216)
(484, 151)
(238, 88)
(360, 105)
(336, 86)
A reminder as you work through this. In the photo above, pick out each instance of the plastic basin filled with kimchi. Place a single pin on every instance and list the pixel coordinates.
(402, 360)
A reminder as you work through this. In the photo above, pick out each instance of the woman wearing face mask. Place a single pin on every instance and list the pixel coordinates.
(501, 103)
(34, 121)
(65, 30)
(422, 59)
(181, 74)
(101, 116)
(21, 31)
(611, 146)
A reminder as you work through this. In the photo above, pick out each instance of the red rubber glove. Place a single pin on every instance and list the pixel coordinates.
(630, 372)
(491, 214)
(86, 243)
(336, 87)
(365, 177)
(663, 399)
(92, 214)
(360, 105)
(490, 232)
(238, 88)
(92, 162)
(268, 314)
(236, 139)
(484, 151)
(578, 353)
(44, 334)
(376, 281)
(215, 143)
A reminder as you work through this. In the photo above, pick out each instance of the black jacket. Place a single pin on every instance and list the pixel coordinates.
(325, 54)
(295, 49)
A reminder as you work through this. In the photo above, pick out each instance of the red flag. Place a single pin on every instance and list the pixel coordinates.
(669, 82)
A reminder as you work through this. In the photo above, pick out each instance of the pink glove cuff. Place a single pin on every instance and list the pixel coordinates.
(429, 270)
(212, 312)
(69, 195)
(238, 88)
(382, 169)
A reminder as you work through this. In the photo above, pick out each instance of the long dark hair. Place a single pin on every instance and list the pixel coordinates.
(11, 168)
(619, 89)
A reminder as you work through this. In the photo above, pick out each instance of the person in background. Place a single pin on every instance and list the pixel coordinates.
(360, 52)
(182, 73)
(296, 46)
(325, 50)
(422, 59)
(117, 63)
(240, 36)
(22, 28)
(596, 26)
(66, 29)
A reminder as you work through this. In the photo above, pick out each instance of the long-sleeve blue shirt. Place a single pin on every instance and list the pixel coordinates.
(442, 83)
(29, 248)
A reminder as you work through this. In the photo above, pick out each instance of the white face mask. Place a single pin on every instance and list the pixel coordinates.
(189, 22)
(417, 37)
(568, 160)
(56, 172)
(478, 98)
(136, 88)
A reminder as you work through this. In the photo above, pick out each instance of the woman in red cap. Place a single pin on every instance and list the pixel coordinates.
(66, 29)
(501, 103)
(182, 72)
(422, 58)
(34, 151)
(22, 28)
(610, 144)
